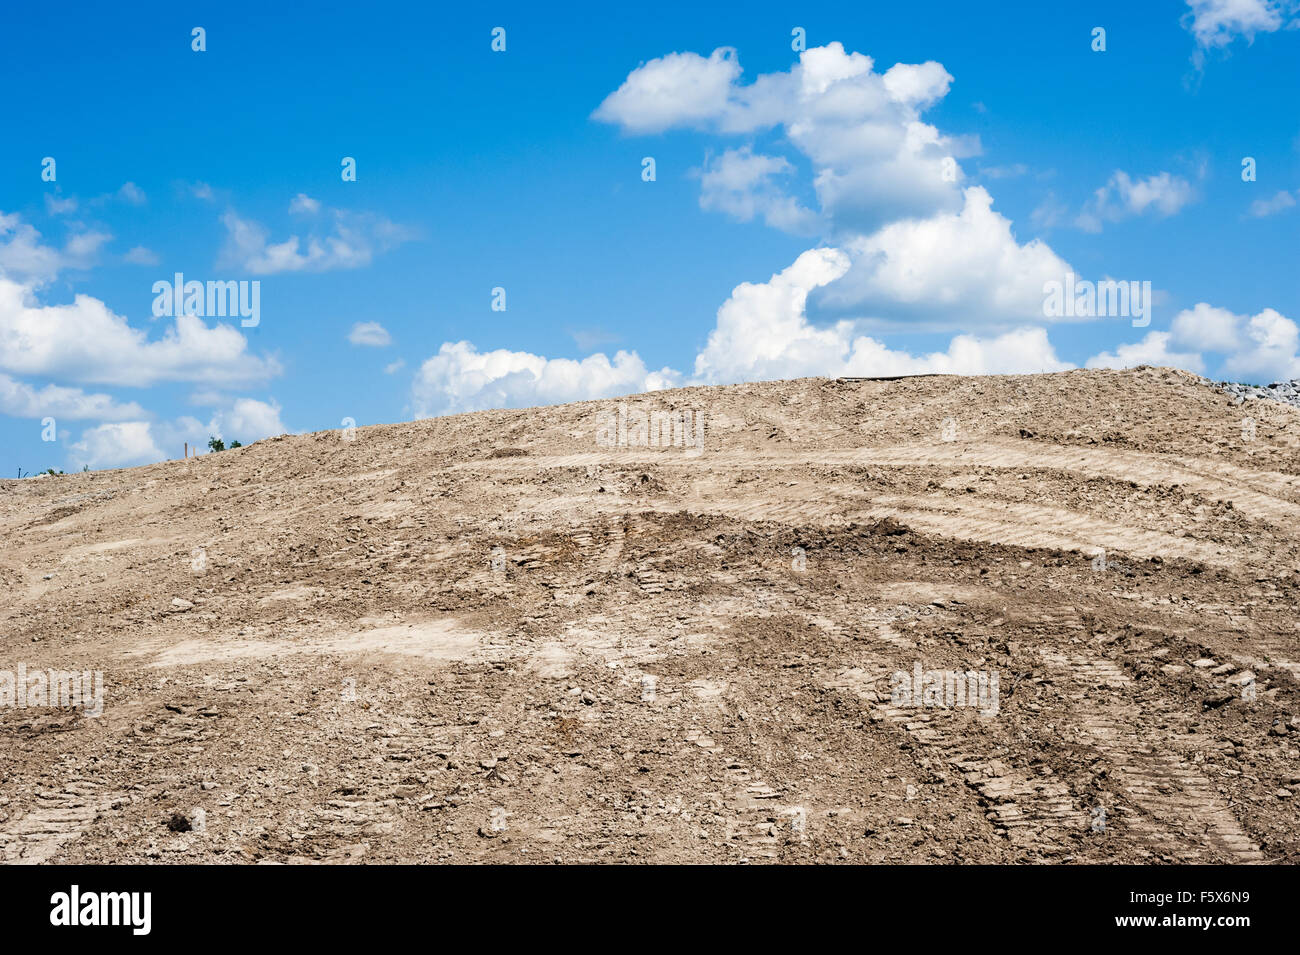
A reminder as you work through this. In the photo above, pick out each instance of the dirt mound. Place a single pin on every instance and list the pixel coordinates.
(996, 619)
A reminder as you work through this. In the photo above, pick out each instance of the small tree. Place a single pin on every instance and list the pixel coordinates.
(216, 444)
(235, 444)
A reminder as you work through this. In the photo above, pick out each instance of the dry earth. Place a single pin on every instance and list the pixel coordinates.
(677, 657)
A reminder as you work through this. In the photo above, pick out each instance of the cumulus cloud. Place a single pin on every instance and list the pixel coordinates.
(461, 378)
(923, 250)
(1258, 348)
(248, 420)
(762, 332)
(742, 184)
(950, 270)
(762, 329)
(1124, 197)
(21, 400)
(680, 89)
(129, 443)
(25, 257)
(86, 342)
(1153, 349)
(1206, 328)
(873, 158)
(371, 334)
(352, 241)
(908, 244)
(1268, 351)
(1216, 23)
(120, 444)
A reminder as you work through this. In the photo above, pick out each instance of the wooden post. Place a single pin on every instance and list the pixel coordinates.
(187, 450)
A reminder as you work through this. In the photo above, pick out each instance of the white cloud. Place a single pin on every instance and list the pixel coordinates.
(304, 204)
(132, 193)
(24, 257)
(1216, 23)
(1274, 204)
(20, 400)
(1206, 328)
(923, 250)
(873, 159)
(87, 342)
(139, 255)
(917, 84)
(393, 367)
(762, 332)
(1124, 197)
(680, 89)
(129, 193)
(56, 205)
(740, 184)
(951, 270)
(121, 444)
(248, 420)
(369, 333)
(911, 245)
(1269, 348)
(128, 443)
(1260, 348)
(1151, 350)
(354, 240)
(460, 378)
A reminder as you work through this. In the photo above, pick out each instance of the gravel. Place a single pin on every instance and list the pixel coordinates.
(1284, 391)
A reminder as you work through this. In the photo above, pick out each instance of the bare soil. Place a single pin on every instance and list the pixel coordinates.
(677, 656)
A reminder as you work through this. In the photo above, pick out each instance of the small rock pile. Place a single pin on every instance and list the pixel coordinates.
(1284, 391)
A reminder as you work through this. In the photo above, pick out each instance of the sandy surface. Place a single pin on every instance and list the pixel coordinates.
(678, 656)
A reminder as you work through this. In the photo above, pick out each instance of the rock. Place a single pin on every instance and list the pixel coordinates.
(1283, 793)
(181, 604)
(1216, 700)
(1284, 391)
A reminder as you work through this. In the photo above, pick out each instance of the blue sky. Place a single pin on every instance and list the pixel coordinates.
(812, 212)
